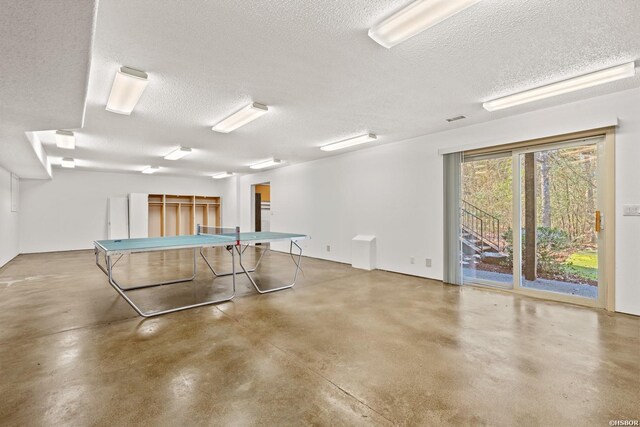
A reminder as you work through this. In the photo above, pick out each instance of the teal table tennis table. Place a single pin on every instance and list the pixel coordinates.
(110, 252)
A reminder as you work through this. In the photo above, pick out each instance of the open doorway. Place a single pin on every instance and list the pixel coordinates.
(261, 201)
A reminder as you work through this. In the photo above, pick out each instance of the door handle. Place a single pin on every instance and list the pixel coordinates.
(598, 221)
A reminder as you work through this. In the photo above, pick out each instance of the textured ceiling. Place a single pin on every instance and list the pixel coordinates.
(320, 74)
(45, 53)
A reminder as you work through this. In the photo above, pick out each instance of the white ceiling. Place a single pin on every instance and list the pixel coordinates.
(45, 54)
(311, 62)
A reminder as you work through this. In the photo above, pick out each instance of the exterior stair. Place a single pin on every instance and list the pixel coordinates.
(481, 236)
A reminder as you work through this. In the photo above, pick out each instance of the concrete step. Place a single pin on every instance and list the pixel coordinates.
(494, 257)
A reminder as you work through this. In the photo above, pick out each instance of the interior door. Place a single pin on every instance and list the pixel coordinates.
(118, 218)
(258, 211)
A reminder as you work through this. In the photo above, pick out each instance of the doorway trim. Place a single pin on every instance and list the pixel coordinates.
(254, 206)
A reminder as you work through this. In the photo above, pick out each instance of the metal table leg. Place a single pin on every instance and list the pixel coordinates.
(121, 291)
(204, 257)
(150, 285)
(295, 277)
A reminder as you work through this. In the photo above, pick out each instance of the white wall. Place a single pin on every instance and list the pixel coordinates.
(8, 221)
(395, 191)
(70, 211)
(380, 192)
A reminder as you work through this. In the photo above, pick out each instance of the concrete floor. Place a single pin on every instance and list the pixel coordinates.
(344, 347)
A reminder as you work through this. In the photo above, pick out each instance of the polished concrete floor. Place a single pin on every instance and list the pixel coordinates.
(344, 347)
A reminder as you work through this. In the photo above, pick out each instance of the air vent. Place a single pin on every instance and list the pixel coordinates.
(456, 118)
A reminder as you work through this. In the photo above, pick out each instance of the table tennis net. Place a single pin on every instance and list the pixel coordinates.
(209, 230)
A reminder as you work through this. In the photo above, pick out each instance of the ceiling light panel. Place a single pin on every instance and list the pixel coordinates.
(178, 153)
(65, 139)
(571, 85)
(222, 175)
(241, 118)
(127, 88)
(415, 18)
(150, 169)
(68, 163)
(349, 142)
(266, 164)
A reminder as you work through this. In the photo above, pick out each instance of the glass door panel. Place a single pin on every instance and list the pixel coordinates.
(558, 215)
(486, 213)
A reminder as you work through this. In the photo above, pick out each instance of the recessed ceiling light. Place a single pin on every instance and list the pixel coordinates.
(178, 153)
(127, 88)
(150, 169)
(266, 164)
(241, 118)
(565, 86)
(415, 18)
(65, 139)
(222, 175)
(349, 142)
(68, 162)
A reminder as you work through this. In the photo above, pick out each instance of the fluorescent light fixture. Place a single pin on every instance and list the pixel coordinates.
(68, 162)
(415, 18)
(577, 83)
(65, 139)
(126, 90)
(178, 153)
(241, 118)
(150, 169)
(222, 175)
(349, 142)
(266, 164)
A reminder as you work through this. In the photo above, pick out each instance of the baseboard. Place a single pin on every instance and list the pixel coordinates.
(11, 259)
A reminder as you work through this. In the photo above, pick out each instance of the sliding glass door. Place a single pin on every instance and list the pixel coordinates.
(531, 219)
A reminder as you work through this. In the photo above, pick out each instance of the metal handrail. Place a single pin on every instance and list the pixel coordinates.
(472, 226)
(484, 225)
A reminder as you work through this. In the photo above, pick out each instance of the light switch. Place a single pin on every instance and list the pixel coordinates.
(631, 210)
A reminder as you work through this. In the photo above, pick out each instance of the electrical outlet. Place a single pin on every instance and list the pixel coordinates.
(631, 210)
(427, 262)
(412, 260)
(328, 248)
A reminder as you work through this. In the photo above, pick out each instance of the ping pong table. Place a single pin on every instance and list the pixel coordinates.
(235, 242)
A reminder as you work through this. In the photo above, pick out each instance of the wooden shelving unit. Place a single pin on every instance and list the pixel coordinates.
(176, 215)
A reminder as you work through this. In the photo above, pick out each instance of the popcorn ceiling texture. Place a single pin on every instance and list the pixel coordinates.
(315, 67)
(45, 54)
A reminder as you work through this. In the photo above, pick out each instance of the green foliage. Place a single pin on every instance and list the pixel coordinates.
(508, 238)
(572, 191)
(551, 244)
(566, 190)
(565, 201)
(487, 185)
(583, 264)
(584, 259)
